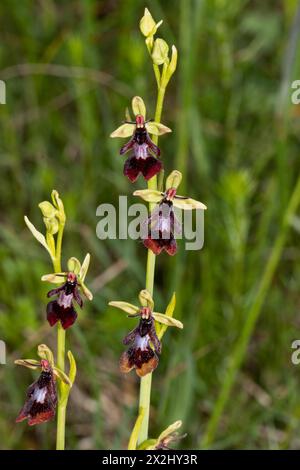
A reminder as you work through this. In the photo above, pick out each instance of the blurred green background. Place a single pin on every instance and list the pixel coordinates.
(71, 68)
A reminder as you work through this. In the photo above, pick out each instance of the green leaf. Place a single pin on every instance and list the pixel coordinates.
(156, 128)
(125, 306)
(73, 367)
(188, 204)
(172, 65)
(171, 306)
(138, 106)
(136, 430)
(39, 236)
(149, 195)
(125, 130)
(168, 313)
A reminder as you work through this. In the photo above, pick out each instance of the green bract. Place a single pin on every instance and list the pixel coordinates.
(54, 219)
(39, 236)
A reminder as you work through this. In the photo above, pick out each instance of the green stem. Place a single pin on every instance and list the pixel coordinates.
(145, 385)
(240, 349)
(60, 360)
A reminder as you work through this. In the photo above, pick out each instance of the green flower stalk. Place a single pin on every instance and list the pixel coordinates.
(61, 311)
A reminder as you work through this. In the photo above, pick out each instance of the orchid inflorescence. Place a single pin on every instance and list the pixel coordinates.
(161, 227)
(46, 395)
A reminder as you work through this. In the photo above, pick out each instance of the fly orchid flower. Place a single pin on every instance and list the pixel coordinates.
(144, 340)
(162, 224)
(144, 157)
(62, 309)
(41, 396)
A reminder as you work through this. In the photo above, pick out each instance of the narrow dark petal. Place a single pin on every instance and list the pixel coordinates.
(67, 317)
(155, 341)
(127, 146)
(132, 168)
(131, 336)
(53, 311)
(153, 245)
(55, 291)
(154, 149)
(77, 297)
(150, 167)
